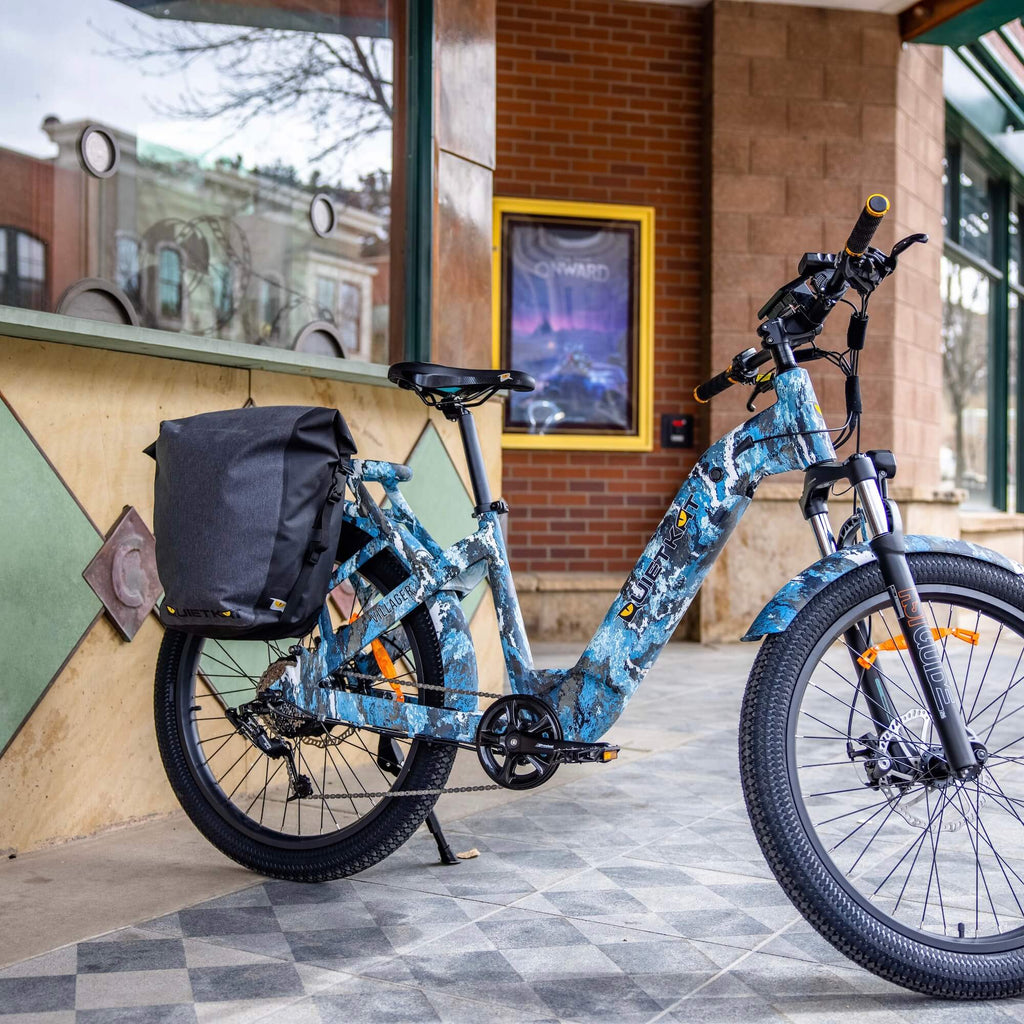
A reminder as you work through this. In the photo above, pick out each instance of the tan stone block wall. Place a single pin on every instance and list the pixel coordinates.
(86, 759)
(810, 111)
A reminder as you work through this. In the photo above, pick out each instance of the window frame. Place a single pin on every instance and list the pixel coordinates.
(1007, 191)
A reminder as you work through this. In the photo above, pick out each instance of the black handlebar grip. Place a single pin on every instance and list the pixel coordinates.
(719, 383)
(876, 207)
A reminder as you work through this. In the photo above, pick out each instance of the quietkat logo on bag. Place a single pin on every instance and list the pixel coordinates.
(197, 613)
(639, 588)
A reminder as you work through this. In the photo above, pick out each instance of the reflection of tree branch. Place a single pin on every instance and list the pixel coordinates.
(964, 353)
(338, 83)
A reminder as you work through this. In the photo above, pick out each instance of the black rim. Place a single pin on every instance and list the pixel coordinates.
(937, 864)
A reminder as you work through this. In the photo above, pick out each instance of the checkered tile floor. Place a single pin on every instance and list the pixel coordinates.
(634, 893)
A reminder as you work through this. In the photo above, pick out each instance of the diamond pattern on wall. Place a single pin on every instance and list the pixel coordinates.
(439, 498)
(47, 542)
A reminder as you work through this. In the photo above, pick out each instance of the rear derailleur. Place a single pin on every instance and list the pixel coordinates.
(246, 720)
(520, 746)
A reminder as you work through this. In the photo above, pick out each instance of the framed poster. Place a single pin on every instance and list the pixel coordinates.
(573, 305)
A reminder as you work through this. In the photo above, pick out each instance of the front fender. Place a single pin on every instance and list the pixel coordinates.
(780, 611)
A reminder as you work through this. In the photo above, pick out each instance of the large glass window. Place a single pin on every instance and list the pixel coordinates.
(208, 158)
(981, 329)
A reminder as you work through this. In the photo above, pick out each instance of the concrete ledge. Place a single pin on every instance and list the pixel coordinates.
(144, 341)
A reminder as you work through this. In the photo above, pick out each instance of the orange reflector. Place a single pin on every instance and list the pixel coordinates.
(384, 663)
(899, 643)
(609, 755)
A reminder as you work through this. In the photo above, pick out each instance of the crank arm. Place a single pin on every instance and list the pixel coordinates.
(563, 751)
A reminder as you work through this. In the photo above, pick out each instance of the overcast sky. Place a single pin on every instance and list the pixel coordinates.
(56, 60)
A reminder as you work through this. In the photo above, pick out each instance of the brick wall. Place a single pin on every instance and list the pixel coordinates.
(602, 101)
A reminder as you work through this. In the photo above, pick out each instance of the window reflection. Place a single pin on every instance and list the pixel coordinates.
(975, 209)
(169, 284)
(126, 274)
(23, 269)
(965, 356)
(229, 118)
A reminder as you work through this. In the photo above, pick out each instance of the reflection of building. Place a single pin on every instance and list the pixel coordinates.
(204, 250)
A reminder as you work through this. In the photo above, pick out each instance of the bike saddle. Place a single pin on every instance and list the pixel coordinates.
(437, 384)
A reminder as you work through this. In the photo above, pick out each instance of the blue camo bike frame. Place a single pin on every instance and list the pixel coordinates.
(789, 435)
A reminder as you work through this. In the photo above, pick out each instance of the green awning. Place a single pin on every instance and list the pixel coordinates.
(969, 25)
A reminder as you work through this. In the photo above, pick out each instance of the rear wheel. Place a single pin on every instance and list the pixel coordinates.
(914, 873)
(330, 809)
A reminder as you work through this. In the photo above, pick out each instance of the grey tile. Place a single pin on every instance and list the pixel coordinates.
(36, 995)
(248, 981)
(303, 917)
(706, 924)
(267, 944)
(253, 896)
(544, 964)
(167, 927)
(331, 945)
(291, 893)
(139, 988)
(228, 921)
(370, 1002)
(202, 953)
(444, 970)
(168, 1014)
(145, 955)
(514, 929)
(729, 1010)
(599, 903)
(598, 999)
(281, 1010)
(657, 957)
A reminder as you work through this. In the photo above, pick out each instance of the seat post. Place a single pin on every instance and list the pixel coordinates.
(474, 457)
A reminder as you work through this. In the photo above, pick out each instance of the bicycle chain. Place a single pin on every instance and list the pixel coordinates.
(406, 792)
(401, 793)
(422, 686)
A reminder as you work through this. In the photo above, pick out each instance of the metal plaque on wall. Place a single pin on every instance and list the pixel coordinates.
(123, 573)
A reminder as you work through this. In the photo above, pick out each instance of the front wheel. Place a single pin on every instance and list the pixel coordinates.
(914, 873)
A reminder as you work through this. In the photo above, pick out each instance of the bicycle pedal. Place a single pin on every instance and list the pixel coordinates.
(568, 752)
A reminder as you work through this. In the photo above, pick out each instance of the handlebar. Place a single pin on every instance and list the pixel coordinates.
(715, 386)
(876, 207)
(808, 300)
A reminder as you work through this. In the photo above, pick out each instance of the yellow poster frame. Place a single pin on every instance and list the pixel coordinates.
(642, 441)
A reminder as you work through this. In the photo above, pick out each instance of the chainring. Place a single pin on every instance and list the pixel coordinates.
(502, 727)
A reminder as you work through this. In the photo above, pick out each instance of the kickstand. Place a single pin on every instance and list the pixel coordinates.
(389, 757)
(443, 849)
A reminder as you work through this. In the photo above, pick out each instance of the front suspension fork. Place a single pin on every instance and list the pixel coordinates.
(926, 656)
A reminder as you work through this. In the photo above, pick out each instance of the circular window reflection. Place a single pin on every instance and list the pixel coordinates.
(99, 152)
(322, 214)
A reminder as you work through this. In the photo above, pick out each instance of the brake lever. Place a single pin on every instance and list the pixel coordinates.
(901, 246)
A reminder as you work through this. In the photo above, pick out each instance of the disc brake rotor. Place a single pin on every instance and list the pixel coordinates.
(909, 799)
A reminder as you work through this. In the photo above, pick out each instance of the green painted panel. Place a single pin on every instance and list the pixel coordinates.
(45, 605)
(972, 23)
(438, 496)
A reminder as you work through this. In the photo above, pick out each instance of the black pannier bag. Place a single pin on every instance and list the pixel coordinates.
(247, 515)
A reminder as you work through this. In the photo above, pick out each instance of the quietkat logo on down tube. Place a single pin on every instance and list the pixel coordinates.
(639, 588)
